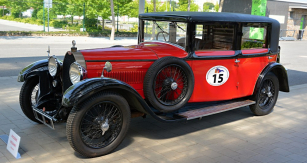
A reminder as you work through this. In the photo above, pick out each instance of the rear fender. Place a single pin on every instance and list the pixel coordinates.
(281, 73)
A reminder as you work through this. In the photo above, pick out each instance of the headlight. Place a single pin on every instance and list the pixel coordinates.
(75, 72)
(53, 66)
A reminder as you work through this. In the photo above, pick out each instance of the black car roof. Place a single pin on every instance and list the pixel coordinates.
(206, 16)
(195, 17)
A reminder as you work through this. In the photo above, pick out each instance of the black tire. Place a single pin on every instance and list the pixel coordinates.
(266, 96)
(169, 84)
(83, 124)
(25, 96)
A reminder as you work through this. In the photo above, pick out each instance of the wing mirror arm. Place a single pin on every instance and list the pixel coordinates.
(107, 67)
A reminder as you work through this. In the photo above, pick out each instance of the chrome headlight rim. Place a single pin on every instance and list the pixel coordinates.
(53, 66)
(75, 72)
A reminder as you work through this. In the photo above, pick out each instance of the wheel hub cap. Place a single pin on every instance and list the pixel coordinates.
(269, 94)
(174, 85)
(105, 126)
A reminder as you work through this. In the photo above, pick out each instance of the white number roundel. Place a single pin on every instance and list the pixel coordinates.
(217, 75)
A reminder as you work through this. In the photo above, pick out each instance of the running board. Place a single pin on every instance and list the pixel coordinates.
(202, 112)
(44, 117)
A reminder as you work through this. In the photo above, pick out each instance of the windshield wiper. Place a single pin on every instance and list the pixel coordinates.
(159, 27)
(179, 26)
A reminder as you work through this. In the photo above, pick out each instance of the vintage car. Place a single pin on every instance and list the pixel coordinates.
(186, 65)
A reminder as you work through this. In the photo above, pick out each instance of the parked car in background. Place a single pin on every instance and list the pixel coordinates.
(186, 65)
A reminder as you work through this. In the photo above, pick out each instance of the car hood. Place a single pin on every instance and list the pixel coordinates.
(119, 53)
(144, 51)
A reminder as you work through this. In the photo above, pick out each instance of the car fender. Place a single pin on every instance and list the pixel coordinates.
(88, 87)
(281, 73)
(33, 69)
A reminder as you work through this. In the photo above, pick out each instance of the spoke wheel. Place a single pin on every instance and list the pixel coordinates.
(168, 84)
(101, 125)
(266, 95)
(171, 85)
(267, 92)
(96, 126)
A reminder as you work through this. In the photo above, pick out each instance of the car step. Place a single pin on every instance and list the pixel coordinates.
(44, 118)
(202, 112)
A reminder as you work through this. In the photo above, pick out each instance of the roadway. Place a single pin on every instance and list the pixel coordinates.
(18, 52)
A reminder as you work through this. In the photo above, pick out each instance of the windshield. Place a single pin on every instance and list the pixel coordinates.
(167, 31)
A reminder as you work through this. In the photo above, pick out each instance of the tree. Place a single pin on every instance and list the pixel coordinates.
(17, 7)
(208, 5)
(113, 21)
(216, 7)
(187, 5)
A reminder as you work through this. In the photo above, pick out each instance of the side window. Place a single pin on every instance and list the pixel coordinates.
(254, 36)
(214, 37)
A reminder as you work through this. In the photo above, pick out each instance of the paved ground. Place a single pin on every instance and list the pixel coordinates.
(234, 136)
(6, 25)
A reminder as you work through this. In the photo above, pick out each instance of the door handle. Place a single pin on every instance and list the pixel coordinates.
(270, 57)
(237, 61)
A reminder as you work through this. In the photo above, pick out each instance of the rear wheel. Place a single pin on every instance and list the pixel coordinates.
(28, 97)
(98, 125)
(266, 96)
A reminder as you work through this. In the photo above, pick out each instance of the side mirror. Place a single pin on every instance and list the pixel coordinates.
(107, 67)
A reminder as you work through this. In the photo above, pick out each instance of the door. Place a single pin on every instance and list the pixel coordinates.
(254, 57)
(215, 79)
(213, 64)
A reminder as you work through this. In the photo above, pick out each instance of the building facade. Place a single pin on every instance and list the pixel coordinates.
(291, 14)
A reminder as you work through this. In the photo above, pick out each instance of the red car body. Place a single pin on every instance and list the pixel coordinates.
(186, 65)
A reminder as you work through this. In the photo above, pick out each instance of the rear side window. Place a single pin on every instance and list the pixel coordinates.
(254, 36)
(214, 37)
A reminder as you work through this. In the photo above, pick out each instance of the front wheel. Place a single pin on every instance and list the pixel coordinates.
(28, 97)
(266, 96)
(98, 125)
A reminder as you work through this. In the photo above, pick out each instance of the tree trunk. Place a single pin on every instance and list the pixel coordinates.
(189, 4)
(113, 21)
(153, 25)
(221, 5)
(102, 23)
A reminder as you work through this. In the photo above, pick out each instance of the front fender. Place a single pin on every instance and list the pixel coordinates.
(85, 88)
(281, 73)
(88, 87)
(32, 69)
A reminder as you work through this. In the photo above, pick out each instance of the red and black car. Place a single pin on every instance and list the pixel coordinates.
(186, 65)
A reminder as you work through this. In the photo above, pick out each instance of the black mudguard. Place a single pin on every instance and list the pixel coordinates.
(88, 87)
(39, 69)
(281, 73)
(33, 69)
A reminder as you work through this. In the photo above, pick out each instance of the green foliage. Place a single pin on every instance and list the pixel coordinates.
(206, 8)
(184, 7)
(40, 14)
(251, 44)
(216, 7)
(17, 7)
(208, 5)
(59, 24)
(5, 12)
(90, 22)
